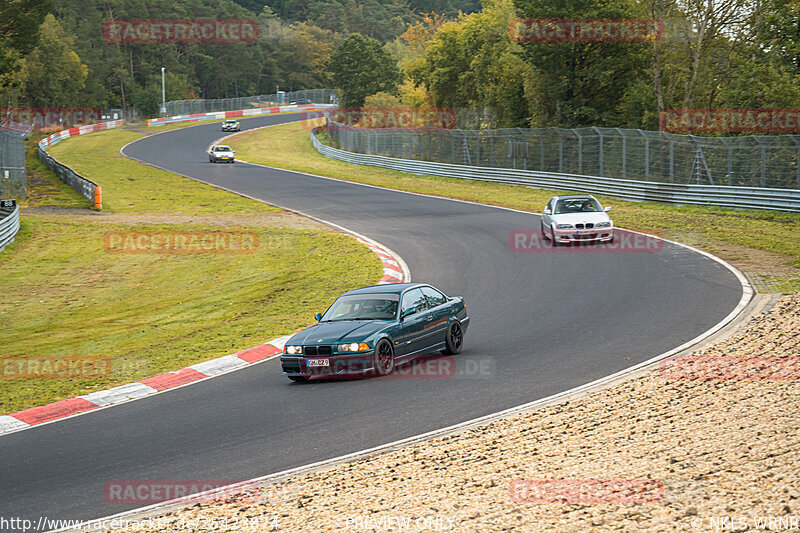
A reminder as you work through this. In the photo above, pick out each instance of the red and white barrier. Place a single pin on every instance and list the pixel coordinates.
(392, 273)
(80, 130)
(222, 115)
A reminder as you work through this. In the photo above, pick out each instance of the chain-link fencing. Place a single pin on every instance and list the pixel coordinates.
(12, 158)
(747, 161)
(311, 96)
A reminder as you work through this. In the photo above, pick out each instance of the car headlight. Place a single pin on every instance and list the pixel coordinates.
(353, 347)
(563, 226)
(603, 225)
(293, 350)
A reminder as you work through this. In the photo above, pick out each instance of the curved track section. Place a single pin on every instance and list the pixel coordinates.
(541, 323)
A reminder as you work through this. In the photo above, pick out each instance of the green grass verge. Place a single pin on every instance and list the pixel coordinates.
(130, 186)
(288, 146)
(65, 295)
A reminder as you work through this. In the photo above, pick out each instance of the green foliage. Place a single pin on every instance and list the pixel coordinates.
(54, 74)
(361, 67)
(287, 57)
(581, 83)
(380, 19)
(19, 34)
(382, 100)
(472, 63)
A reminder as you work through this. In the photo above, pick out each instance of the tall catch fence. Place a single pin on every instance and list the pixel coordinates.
(12, 158)
(311, 96)
(766, 161)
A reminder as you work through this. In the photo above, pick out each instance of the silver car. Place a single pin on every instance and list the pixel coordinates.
(576, 218)
(220, 152)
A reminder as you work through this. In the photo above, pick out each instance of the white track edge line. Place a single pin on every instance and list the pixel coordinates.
(747, 295)
(406, 273)
(581, 390)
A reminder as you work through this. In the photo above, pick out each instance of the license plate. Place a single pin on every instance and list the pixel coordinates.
(318, 362)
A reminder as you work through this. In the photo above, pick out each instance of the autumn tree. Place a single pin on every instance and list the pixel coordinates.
(361, 67)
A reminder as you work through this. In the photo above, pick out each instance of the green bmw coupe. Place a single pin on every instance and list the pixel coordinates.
(373, 329)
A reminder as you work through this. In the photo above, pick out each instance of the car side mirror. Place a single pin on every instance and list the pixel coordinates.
(607, 209)
(408, 312)
(318, 316)
(546, 211)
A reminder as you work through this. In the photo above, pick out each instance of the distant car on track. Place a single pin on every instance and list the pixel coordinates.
(576, 218)
(221, 152)
(373, 329)
(230, 125)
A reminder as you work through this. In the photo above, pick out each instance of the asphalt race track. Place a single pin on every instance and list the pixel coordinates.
(541, 323)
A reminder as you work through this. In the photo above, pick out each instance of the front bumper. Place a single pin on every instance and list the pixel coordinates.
(340, 365)
(570, 236)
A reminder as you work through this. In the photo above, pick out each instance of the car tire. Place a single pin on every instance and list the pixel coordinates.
(454, 340)
(541, 225)
(299, 379)
(383, 359)
(553, 237)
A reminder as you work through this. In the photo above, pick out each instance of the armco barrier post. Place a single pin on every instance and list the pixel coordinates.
(98, 198)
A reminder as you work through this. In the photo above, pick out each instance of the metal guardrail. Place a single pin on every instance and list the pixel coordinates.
(674, 193)
(85, 187)
(309, 96)
(770, 161)
(234, 114)
(9, 222)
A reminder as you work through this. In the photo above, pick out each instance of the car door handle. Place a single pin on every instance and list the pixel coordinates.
(430, 317)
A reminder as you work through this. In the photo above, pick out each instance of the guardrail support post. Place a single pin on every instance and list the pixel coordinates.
(646, 155)
(599, 152)
(797, 160)
(763, 161)
(671, 161)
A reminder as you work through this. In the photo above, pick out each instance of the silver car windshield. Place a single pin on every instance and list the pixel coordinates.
(222, 149)
(577, 205)
(363, 307)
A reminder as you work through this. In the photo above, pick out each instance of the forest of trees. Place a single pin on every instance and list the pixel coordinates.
(442, 53)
